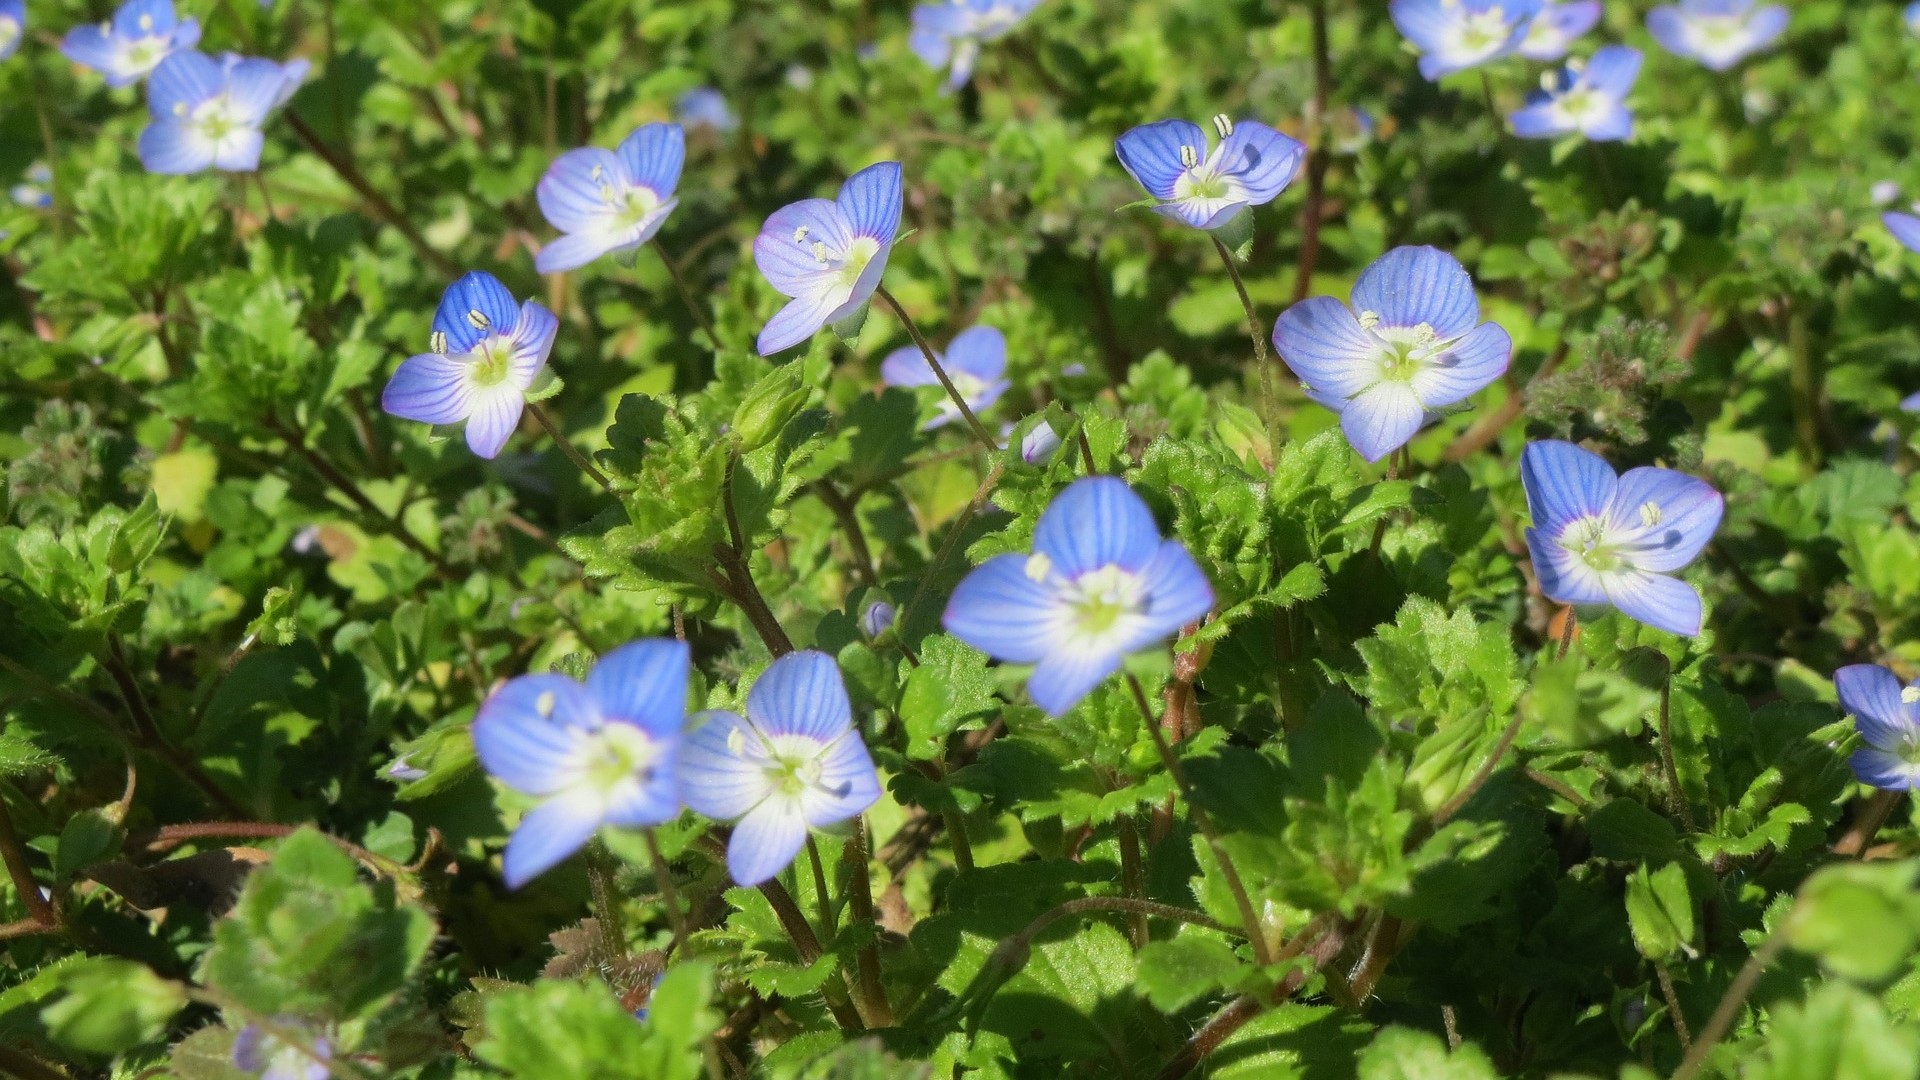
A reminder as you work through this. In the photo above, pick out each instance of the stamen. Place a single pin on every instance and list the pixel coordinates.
(1039, 566)
(1189, 157)
(146, 22)
(179, 108)
(1550, 81)
(478, 319)
(1369, 320)
(1424, 335)
(1650, 514)
(544, 704)
(1909, 695)
(597, 173)
(800, 234)
(606, 193)
(736, 742)
(106, 26)
(437, 342)
(1223, 124)
(820, 253)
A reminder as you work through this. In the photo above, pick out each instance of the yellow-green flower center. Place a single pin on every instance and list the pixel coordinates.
(492, 362)
(618, 753)
(1587, 538)
(1100, 599)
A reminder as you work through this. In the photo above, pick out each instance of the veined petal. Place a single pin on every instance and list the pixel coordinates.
(1611, 124)
(430, 388)
(723, 767)
(1178, 593)
(495, 413)
(785, 252)
(1321, 342)
(1004, 613)
(1884, 770)
(1409, 286)
(473, 307)
(653, 156)
(532, 339)
(1097, 521)
(571, 251)
(864, 286)
(801, 693)
(766, 840)
(979, 351)
(1065, 676)
(1200, 212)
(1669, 27)
(871, 200)
(91, 46)
(254, 86)
(1471, 365)
(182, 81)
(528, 733)
(144, 18)
(548, 834)
(799, 320)
(1382, 418)
(1425, 23)
(239, 151)
(1871, 695)
(1564, 577)
(1153, 153)
(173, 149)
(1262, 159)
(1613, 70)
(653, 795)
(1660, 519)
(569, 192)
(1556, 27)
(644, 683)
(907, 366)
(848, 783)
(1564, 483)
(1661, 602)
(1905, 228)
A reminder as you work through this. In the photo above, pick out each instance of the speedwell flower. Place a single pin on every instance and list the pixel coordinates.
(13, 25)
(598, 753)
(1598, 538)
(1887, 715)
(34, 190)
(132, 43)
(1454, 35)
(1100, 584)
(610, 200)
(1557, 27)
(1252, 165)
(484, 354)
(704, 107)
(1411, 342)
(1589, 98)
(1717, 33)
(263, 1054)
(976, 361)
(1912, 16)
(949, 34)
(828, 254)
(207, 113)
(1038, 445)
(794, 762)
(1904, 227)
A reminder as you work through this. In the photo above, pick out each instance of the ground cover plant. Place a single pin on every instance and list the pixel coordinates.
(989, 538)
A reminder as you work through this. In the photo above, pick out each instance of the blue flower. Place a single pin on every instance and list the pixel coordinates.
(976, 361)
(484, 353)
(599, 753)
(1557, 27)
(131, 44)
(1904, 227)
(949, 34)
(1100, 584)
(33, 191)
(1887, 716)
(1252, 165)
(794, 762)
(1039, 444)
(262, 1054)
(703, 106)
(13, 25)
(1411, 342)
(1601, 539)
(207, 113)
(1588, 98)
(877, 619)
(1717, 33)
(1454, 35)
(828, 254)
(1912, 16)
(610, 200)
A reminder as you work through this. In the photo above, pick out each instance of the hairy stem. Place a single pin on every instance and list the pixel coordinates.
(1133, 878)
(823, 896)
(966, 412)
(686, 295)
(1674, 1012)
(736, 579)
(860, 910)
(382, 209)
(566, 447)
(1728, 1010)
(669, 894)
(14, 853)
(1666, 754)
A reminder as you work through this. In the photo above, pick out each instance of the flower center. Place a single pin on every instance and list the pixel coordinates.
(215, 119)
(1100, 599)
(618, 753)
(1404, 351)
(1587, 538)
(9, 30)
(794, 765)
(630, 206)
(1483, 31)
(1718, 31)
(492, 362)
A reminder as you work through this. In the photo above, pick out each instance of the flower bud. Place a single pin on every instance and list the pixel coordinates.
(773, 401)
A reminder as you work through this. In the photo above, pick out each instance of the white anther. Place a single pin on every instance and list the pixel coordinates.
(598, 172)
(146, 22)
(606, 193)
(1650, 514)
(800, 234)
(106, 27)
(1189, 157)
(437, 342)
(1223, 124)
(478, 319)
(820, 253)
(736, 742)
(1424, 335)
(1909, 695)
(179, 108)
(1369, 320)
(1039, 566)
(544, 704)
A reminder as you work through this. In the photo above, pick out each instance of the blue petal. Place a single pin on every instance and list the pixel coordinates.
(766, 841)
(1151, 153)
(1564, 483)
(1425, 23)
(932, 46)
(1765, 25)
(723, 767)
(239, 151)
(848, 783)
(1321, 342)
(704, 106)
(871, 200)
(569, 193)
(1381, 419)
(494, 415)
(254, 87)
(1613, 70)
(652, 796)
(1911, 403)
(1871, 695)
(1688, 512)
(174, 149)
(475, 291)
(158, 13)
(1661, 602)
(1097, 521)
(653, 156)
(527, 733)
(907, 367)
(548, 834)
(1542, 121)
(799, 320)
(863, 288)
(1556, 27)
(1471, 365)
(1669, 27)
(1412, 285)
(645, 684)
(1564, 577)
(1201, 213)
(801, 694)
(1178, 593)
(1261, 158)
(1004, 613)
(1905, 228)
(784, 248)
(183, 80)
(532, 341)
(1064, 677)
(90, 46)
(1886, 771)
(1613, 125)
(430, 388)
(979, 351)
(574, 250)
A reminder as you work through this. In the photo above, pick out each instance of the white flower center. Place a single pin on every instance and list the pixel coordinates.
(1587, 537)
(492, 361)
(216, 118)
(1402, 352)
(1483, 32)
(1101, 602)
(617, 754)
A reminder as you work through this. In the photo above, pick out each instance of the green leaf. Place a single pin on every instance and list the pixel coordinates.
(110, 1005)
(555, 1029)
(1176, 972)
(1861, 919)
(1660, 911)
(1399, 1053)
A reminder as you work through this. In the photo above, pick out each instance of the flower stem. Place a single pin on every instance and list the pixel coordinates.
(669, 895)
(953, 392)
(1868, 823)
(1256, 931)
(603, 883)
(384, 210)
(1133, 879)
(686, 294)
(1729, 1007)
(1666, 753)
(1485, 772)
(14, 853)
(1674, 1013)
(566, 447)
(860, 910)
(296, 439)
(822, 896)
(1255, 329)
(735, 579)
(1570, 624)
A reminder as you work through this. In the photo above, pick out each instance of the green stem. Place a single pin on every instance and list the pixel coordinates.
(1133, 879)
(344, 167)
(669, 894)
(686, 294)
(939, 372)
(603, 883)
(1729, 1008)
(1666, 754)
(14, 853)
(822, 895)
(566, 447)
(860, 910)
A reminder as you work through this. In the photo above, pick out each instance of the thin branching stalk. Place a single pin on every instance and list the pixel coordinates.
(1674, 1011)
(821, 894)
(686, 295)
(566, 447)
(669, 894)
(344, 167)
(735, 578)
(953, 392)
(1666, 753)
(860, 911)
(39, 909)
(1728, 1010)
